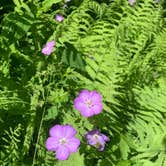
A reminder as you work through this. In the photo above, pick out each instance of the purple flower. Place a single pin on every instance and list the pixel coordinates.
(89, 103)
(132, 2)
(59, 18)
(62, 140)
(48, 48)
(97, 139)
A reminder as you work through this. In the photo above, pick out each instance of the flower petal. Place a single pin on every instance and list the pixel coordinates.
(84, 95)
(96, 97)
(91, 140)
(51, 44)
(92, 132)
(62, 153)
(56, 131)
(73, 144)
(101, 140)
(101, 143)
(97, 108)
(79, 104)
(52, 144)
(69, 131)
(87, 112)
(48, 48)
(59, 18)
(82, 107)
(105, 138)
(101, 148)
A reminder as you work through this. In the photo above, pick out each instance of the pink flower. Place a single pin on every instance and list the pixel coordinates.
(89, 103)
(48, 48)
(62, 140)
(59, 18)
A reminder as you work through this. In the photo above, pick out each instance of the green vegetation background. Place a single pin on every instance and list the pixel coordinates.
(107, 45)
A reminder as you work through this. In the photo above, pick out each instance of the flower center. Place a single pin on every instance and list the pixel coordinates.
(95, 136)
(89, 103)
(98, 143)
(63, 141)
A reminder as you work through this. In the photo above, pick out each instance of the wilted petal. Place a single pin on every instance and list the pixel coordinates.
(96, 139)
(101, 147)
(101, 139)
(92, 132)
(105, 138)
(62, 153)
(73, 144)
(52, 144)
(90, 139)
(69, 131)
(57, 131)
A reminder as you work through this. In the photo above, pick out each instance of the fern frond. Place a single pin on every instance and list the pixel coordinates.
(11, 154)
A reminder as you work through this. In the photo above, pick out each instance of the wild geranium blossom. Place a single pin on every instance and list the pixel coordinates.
(97, 139)
(48, 48)
(89, 103)
(59, 18)
(132, 2)
(62, 140)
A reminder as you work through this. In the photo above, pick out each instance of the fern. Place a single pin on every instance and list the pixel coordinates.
(11, 154)
(108, 46)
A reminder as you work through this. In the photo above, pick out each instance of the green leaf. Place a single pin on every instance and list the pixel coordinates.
(46, 5)
(15, 26)
(51, 113)
(75, 159)
(71, 56)
(124, 163)
(124, 148)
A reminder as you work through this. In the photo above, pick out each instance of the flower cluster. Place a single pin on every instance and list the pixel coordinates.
(62, 138)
